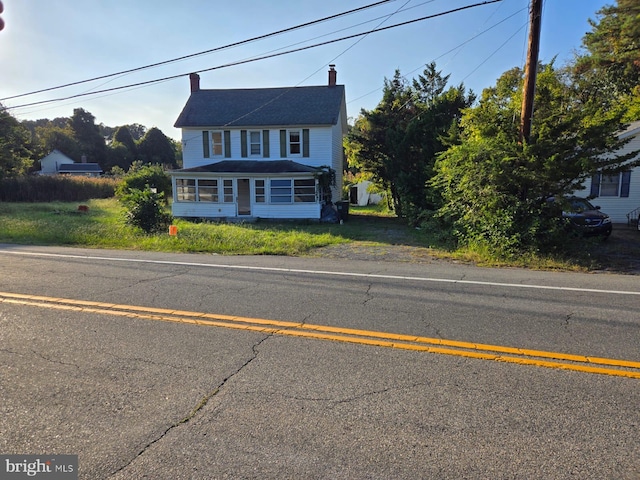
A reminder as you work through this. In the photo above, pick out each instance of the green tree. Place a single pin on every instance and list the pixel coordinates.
(613, 46)
(397, 142)
(87, 133)
(49, 137)
(609, 68)
(122, 151)
(156, 148)
(14, 142)
(496, 189)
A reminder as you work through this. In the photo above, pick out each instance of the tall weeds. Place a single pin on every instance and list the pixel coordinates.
(56, 188)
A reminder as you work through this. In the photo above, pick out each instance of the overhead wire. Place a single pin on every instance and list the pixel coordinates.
(263, 57)
(469, 40)
(204, 52)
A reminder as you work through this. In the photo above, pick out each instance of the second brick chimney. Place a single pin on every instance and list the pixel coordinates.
(195, 82)
(333, 75)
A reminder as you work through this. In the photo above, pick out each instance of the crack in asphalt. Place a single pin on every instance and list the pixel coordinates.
(58, 362)
(368, 294)
(198, 408)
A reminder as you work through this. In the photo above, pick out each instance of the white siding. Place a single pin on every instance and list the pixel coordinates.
(322, 148)
(290, 211)
(203, 210)
(618, 207)
(225, 210)
(52, 162)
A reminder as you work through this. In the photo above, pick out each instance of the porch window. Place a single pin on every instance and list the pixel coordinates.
(228, 190)
(260, 191)
(280, 191)
(304, 190)
(186, 189)
(208, 190)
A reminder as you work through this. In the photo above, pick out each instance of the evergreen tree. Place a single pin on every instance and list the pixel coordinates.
(397, 142)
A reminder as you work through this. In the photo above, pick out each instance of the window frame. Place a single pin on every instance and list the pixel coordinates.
(260, 190)
(290, 143)
(610, 185)
(214, 190)
(214, 144)
(251, 143)
(281, 191)
(305, 193)
(183, 190)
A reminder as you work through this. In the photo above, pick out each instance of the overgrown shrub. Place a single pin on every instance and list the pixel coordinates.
(146, 210)
(140, 177)
(55, 188)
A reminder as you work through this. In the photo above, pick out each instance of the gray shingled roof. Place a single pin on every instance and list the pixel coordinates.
(318, 105)
(79, 168)
(251, 166)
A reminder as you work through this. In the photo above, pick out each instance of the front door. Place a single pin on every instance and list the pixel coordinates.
(244, 197)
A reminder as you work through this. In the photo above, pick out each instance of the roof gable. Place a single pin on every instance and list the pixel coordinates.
(296, 106)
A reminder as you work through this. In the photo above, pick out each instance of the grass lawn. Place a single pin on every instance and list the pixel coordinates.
(103, 226)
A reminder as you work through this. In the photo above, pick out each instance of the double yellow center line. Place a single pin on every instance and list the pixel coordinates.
(537, 358)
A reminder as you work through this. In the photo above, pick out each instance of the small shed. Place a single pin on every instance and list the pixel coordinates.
(359, 195)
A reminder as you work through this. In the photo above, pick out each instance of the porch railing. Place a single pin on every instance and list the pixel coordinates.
(632, 216)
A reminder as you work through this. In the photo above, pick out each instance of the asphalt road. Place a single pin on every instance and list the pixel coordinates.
(166, 366)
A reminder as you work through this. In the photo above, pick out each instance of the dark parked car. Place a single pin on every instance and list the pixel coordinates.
(582, 215)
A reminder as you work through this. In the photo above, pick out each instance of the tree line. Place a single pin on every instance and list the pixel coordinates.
(449, 160)
(24, 143)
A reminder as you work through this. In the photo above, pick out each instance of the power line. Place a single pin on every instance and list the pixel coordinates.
(264, 57)
(224, 47)
(448, 51)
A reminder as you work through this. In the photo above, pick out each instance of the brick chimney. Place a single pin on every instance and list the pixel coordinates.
(333, 75)
(194, 78)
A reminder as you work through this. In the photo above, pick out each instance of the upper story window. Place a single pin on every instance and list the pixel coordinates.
(216, 143)
(255, 143)
(295, 143)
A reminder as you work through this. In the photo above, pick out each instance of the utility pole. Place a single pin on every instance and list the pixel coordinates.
(530, 70)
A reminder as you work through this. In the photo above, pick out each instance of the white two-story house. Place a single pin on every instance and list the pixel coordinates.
(259, 153)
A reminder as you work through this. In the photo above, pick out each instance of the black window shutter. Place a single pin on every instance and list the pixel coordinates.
(265, 143)
(227, 144)
(595, 185)
(305, 142)
(243, 143)
(283, 143)
(626, 182)
(205, 144)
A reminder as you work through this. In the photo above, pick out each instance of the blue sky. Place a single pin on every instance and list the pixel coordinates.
(46, 43)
